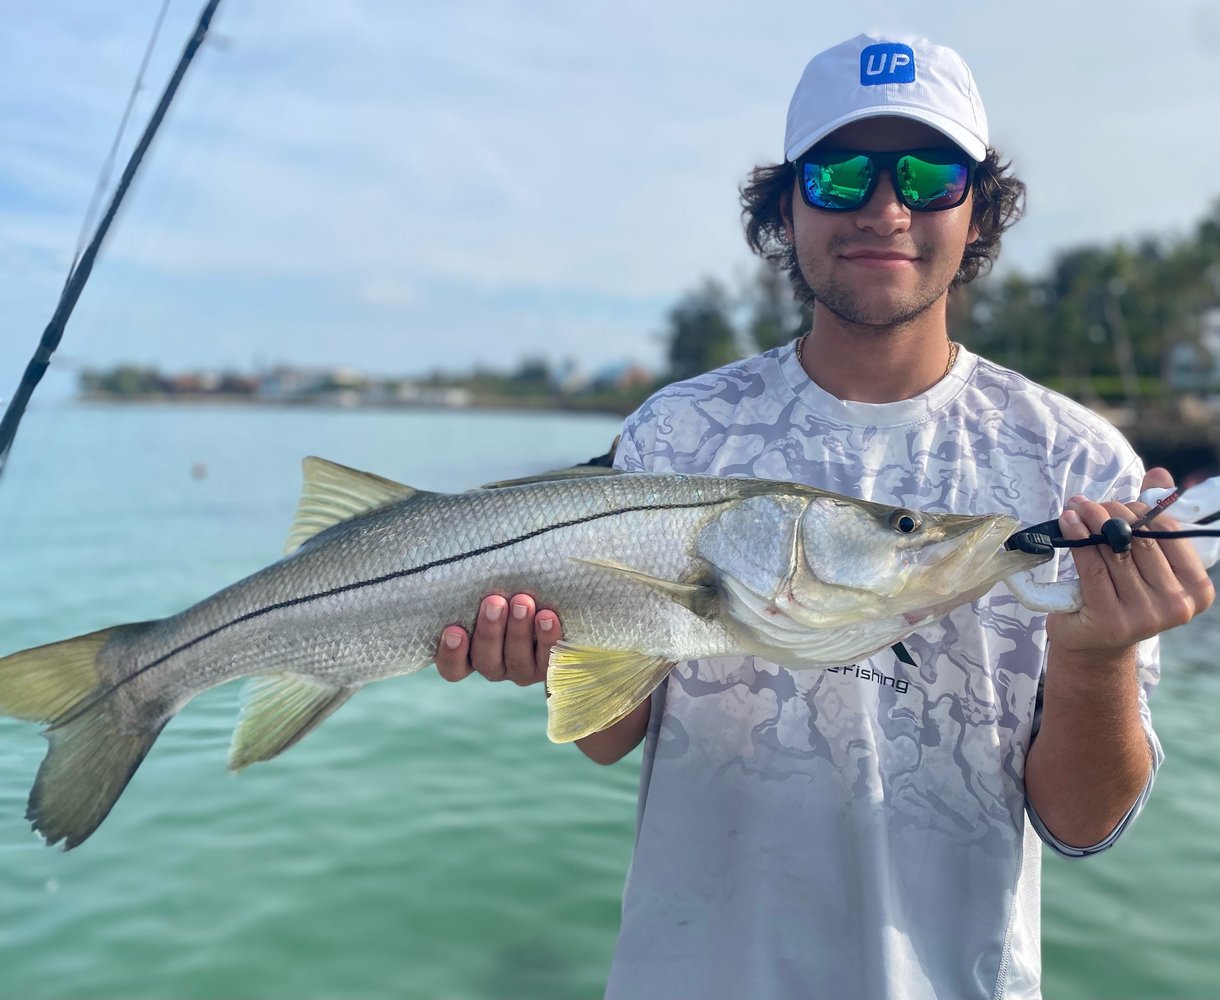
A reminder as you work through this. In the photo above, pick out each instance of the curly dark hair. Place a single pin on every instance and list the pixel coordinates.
(766, 202)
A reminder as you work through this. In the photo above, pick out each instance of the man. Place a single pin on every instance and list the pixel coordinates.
(873, 831)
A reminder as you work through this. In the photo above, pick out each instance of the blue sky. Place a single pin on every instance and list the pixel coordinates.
(407, 186)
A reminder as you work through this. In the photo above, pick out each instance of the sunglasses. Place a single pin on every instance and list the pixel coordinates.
(925, 180)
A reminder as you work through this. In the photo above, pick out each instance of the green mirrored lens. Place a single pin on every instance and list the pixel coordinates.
(925, 180)
(924, 184)
(837, 183)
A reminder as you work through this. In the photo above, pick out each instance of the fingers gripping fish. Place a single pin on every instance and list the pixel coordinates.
(644, 571)
(1198, 505)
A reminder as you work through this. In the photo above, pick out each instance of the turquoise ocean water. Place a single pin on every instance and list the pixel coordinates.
(427, 841)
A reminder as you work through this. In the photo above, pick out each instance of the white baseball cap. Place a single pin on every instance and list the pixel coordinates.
(873, 77)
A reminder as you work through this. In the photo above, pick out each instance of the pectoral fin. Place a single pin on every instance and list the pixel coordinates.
(591, 689)
(699, 598)
(278, 712)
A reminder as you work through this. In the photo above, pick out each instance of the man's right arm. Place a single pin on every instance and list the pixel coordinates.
(613, 744)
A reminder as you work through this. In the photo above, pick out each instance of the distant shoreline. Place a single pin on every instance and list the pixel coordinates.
(573, 405)
(1160, 436)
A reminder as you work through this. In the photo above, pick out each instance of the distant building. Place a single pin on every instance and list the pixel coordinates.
(624, 375)
(185, 384)
(1196, 367)
(413, 394)
(235, 384)
(287, 384)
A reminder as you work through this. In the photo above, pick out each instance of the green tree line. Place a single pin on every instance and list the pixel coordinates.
(1099, 323)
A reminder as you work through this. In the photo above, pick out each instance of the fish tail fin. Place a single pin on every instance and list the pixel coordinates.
(90, 759)
(89, 763)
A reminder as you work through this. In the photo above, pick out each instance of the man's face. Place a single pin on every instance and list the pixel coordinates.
(882, 264)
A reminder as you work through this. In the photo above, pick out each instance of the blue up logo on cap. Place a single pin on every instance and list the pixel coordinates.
(887, 62)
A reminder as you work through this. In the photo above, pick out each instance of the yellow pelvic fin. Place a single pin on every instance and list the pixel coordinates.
(591, 689)
(334, 493)
(280, 710)
(699, 598)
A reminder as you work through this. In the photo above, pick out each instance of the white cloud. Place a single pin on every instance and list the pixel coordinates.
(517, 177)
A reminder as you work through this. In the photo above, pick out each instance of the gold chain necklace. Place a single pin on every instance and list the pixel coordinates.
(953, 345)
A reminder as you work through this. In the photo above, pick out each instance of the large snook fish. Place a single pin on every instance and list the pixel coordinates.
(644, 570)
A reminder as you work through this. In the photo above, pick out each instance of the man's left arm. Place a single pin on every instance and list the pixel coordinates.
(1091, 758)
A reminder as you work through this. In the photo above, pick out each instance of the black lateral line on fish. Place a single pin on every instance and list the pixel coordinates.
(83, 707)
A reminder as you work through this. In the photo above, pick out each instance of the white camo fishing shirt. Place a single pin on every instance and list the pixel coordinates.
(861, 832)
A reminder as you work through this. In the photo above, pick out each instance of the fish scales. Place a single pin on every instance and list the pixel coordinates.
(368, 598)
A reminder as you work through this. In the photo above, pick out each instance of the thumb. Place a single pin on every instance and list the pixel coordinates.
(1157, 478)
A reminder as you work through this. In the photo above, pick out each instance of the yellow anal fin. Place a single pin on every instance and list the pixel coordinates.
(278, 712)
(591, 689)
(699, 598)
(334, 493)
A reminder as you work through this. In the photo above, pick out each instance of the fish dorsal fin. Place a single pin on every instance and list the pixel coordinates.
(602, 465)
(591, 689)
(334, 493)
(573, 472)
(278, 711)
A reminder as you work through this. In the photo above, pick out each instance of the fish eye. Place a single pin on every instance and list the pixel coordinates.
(906, 521)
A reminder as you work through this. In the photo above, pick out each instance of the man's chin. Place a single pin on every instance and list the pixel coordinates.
(874, 314)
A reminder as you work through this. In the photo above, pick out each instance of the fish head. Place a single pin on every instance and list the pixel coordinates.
(810, 559)
(861, 557)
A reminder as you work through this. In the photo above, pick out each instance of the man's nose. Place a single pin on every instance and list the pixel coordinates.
(883, 213)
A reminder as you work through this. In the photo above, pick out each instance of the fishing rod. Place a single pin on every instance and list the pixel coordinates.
(79, 273)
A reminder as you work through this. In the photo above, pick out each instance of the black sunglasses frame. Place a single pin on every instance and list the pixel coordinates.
(887, 161)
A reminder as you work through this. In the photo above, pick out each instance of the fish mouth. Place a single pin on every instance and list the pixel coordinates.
(976, 566)
(992, 555)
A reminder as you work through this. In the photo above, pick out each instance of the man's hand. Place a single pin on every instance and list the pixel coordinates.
(512, 641)
(1132, 595)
